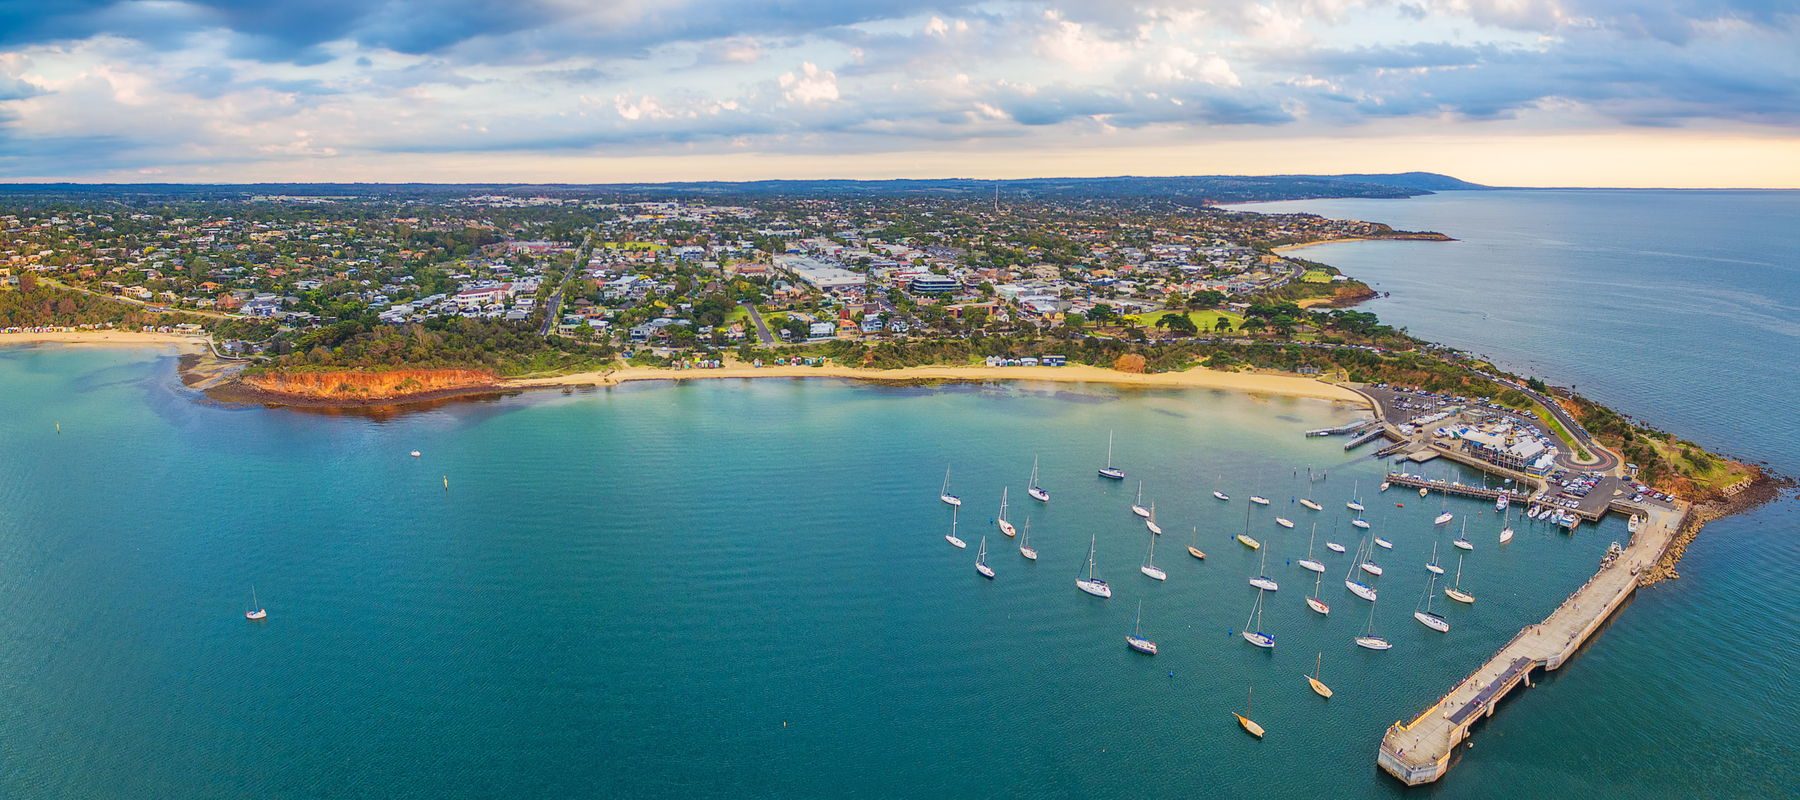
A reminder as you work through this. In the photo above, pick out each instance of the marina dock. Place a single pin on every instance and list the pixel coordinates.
(1457, 489)
(1365, 437)
(1347, 427)
(1420, 751)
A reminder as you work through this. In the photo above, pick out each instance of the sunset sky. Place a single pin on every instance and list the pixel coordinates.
(1507, 92)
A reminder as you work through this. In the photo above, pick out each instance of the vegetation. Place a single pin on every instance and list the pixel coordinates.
(509, 349)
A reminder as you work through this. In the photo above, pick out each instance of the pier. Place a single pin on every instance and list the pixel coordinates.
(1458, 489)
(1344, 428)
(1366, 436)
(1420, 750)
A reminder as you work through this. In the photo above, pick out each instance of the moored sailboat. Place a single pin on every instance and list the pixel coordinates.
(1149, 568)
(1455, 592)
(1025, 548)
(1369, 639)
(1138, 507)
(1109, 471)
(1313, 680)
(1244, 721)
(1314, 602)
(1262, 580)
(1194, 548)
(945, 495)
(1432, 565)
(1150, 521)
(1005, 527)
(255, 611)
(981, 564)
(1253, 626)
(1462, 539)
(1136, 642)
(1091, 584)
(1426, 616)
(1355, 586)
(1037, 492)
(1309, 562)
(951, 536)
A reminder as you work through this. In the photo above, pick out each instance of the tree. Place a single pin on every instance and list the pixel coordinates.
(1179, 323)
(1222, 324)
(1206, 299)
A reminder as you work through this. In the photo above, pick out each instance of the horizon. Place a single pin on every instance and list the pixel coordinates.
(1542, 94)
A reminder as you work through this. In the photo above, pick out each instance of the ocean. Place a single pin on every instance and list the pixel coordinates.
(741, 588)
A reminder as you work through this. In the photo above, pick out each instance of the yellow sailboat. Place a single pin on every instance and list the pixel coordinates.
(1194, 549)
(1323, 690)
(1248, 723)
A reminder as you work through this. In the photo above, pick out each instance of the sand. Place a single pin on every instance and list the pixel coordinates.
(1196, 378)
(185, 343)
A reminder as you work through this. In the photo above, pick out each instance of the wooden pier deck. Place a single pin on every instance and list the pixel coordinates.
(1458, 489)
(1420, 751)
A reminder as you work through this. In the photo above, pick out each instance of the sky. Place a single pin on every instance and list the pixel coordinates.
(1683, 93)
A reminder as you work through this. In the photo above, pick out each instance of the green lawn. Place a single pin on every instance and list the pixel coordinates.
(1316, 276)
(1204, 320)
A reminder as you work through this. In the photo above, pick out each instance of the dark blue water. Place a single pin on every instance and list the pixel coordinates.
(1681, 308)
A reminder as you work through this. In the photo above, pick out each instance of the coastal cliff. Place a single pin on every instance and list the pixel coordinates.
(352, 387)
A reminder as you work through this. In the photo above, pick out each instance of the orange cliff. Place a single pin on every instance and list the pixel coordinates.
(365, 387)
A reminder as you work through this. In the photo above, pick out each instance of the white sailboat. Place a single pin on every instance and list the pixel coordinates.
(1385, 485)
(1221, 495)
(1334, 547)
(1109, 471)
(1432, 565)
(981, 564)
(1150, 521)
(1369, 639)
(1284, 522)
(414, 454)
(1355, 586)
(1355, 503)
(1136, 642)
(951, 536)
(1259, 500)
(1025, 548)
(1462, 539)
(1194, 548)
(1253, 626)
(1446, 516)
(1312, 505)
(1037, 492)
(1138, 507)
(1262, 580)
(1383, 544)
(255, 611)
(1506, 531)
(1368, 565)
(945, 495)
(1149, 568)
(1313, 680)
(1360, 522)
(1426, 616)
(1005, 527)
(1455, 592)
(1314, 602)
(1309, 562)
(1091, 584)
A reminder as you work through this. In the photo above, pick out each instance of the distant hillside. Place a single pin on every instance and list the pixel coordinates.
(1185, 190)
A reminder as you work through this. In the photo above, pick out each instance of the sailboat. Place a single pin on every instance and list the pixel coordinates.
(945, 495)
(1005, 527)
(1136, 642)
(1025, 548)
(1138, 507)
(1037, 492)
(951, 536)
(1284, 522)
(1312, 505)
(1385, 485)
(1109, 471)
(1309, 562)
(1462, 539)
(1355, 586)
(1253, 626)
(1259, 500)
(1249, 724)
(1368, 565)
(1091, 584)
(1455, 592)
(1432, 564)
(256, 610)
(1262, 580)
(1150, 521)
(414, 454)
(1446, 516)
(1219, 494)
(1355, 503)
(1360, 522)
(981, 565)
(1313, 680)
(1244, 538)
(1426, 616)
(1194, 549)
(1314, 602)
(1383, 544)
(1149, 568)
(1369, 639)
(1506, 532)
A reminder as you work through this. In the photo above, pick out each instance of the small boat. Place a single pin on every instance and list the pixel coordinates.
(1037, 492)
(1369, 639)
(1370, 567)
(1150, 522)
(1313, 680)
(1138, 507)
(1506, 534)
(945, 494)
(1261, 501)
(1136, 642)
(1462, 541)
(1455, 592)
(1309, 562)
(1248, 723)
(1426, 616)
(1432, 565)
(255, 611)
(1443, 518)
(1194, 549)
(1385, 485)
(1314, 602)
(1149, 568)
(1248, 542)
(1631, 526)
(1109, 471)
(951, 536)
(1383, 543)
(1500, 503)
(1312, 505)
(1221, 495)
(981, 565)
(414, 454)
(1360, 523)
(1423, 491)
(1005, 527)
(1091, 584)
(1355, 503)
(1334, 547)
(1025, 548)
(1355, 586)
(1262, 580)
(1284, 522)
(1252, 626)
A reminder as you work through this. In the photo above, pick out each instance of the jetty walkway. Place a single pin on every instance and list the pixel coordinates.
(1458, 489)
(1420, 751)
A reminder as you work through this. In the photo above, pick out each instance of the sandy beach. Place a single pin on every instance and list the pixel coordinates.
(1287, 247)
(1196, 378)
(183, 342)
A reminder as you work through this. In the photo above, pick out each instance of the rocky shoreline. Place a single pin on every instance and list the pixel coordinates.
(1741, 499)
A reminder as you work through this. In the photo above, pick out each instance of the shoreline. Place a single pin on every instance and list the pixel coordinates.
(186, 344)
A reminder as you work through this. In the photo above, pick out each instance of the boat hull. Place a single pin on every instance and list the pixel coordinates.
(1222, 495)
(1443, 518)
(1318, 688)
(1196, 553)
(1383, 543)
(1144, 646)
(1335, 547)
(950, 499)
(1248, 542)
(1459, 596)
(1361, 590)
(1309, 564)
(1038, 494)
(1360, 523)
(1373, 643)
(1432, 621)
(1154, 574)
(1312, 505)
(1259, 639)
(1261, 501)
(1112, 474)
(1007, 528)
(1141, 511)
(1318, 605)
(1097, 588)
(1249, 725)
(1435, 569)
(1463, 544)
(985, 570)
(956, 543)
(1265, 584)
(1284, 522)
(1372, 569)
(1028, 553)
(1153, 527)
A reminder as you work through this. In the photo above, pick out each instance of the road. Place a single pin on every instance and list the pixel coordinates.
(762, 329)
(553, 305)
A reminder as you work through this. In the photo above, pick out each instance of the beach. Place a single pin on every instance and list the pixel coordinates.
(185, 343)
(1196, 378)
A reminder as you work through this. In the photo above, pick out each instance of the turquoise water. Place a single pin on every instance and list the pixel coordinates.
(1683, 309)
(719, 588)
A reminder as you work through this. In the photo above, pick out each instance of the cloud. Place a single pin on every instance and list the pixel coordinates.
(809, 86)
